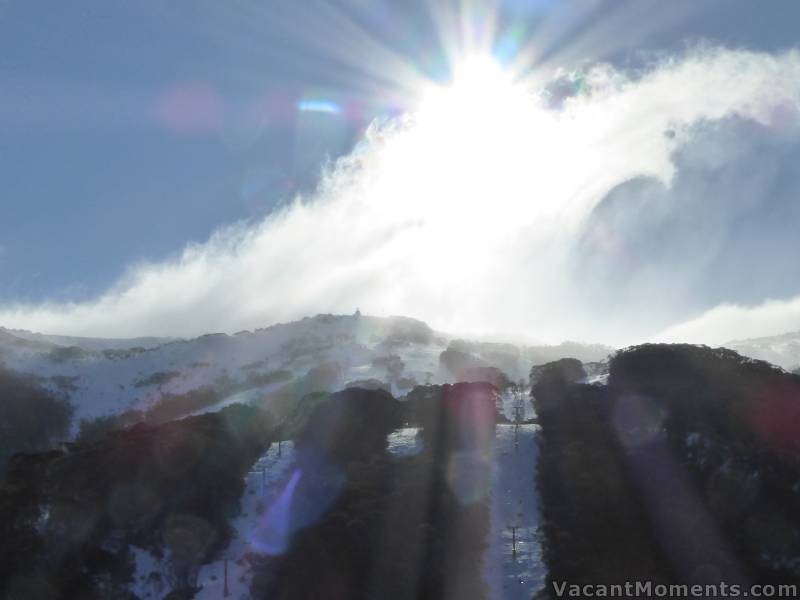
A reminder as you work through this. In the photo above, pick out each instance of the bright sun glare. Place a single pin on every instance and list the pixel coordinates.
(464, 164)
(480, 136)
(480, 92)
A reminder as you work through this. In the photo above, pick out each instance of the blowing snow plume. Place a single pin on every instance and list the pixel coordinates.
(479, 210)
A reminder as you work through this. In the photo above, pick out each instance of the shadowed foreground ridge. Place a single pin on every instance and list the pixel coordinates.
(366, 523)
(70, 515)
(680, 464)
(684, 468)
(397, 528)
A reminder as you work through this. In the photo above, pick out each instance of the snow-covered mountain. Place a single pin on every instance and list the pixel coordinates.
(102, 377)
(782, 350)
(88, 343)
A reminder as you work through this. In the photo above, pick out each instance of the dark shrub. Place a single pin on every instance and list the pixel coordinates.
(322, 378)
(491, 375)
(352, 423)
(733, 425)
(457, 361)
(549, 381)
(461, 415)
(368, 384)
(393, 364)
(31, 418)
(690, 456)
(70, 516)
(63, 354)
(158, 378)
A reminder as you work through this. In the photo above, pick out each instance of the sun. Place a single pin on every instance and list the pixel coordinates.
(479, 114)
(459, 168)
(480, 80)
(480, 89)
(465, 159)
(479, 129)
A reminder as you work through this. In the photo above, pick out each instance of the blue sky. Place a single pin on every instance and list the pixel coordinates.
(91, 181)
(131, 129)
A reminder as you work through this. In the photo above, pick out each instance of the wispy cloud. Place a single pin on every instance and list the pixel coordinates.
(728, 321)
(465, 214)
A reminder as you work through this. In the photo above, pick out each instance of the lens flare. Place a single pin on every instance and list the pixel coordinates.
(319, 105)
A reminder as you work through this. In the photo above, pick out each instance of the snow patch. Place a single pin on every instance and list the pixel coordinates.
(151, 575)
(513, 563)
(405, 441)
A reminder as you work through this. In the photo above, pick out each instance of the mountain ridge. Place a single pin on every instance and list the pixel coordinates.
(101, 378)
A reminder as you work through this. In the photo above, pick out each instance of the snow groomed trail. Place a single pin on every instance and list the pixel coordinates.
(513, 564)
(264, 481)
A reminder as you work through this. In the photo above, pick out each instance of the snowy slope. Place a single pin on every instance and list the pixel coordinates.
(405, 441)
(513, 563)
(100, 377)
(249, 396)
(264, 483)
(782, 350)
(510, 398)
(513, 502)
(111, 381)
(88, 343)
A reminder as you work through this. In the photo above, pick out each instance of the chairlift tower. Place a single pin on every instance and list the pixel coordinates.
(519, 406)
(519, 414)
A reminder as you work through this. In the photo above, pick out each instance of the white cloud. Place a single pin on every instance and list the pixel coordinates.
(462, 214)
(729, 322)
